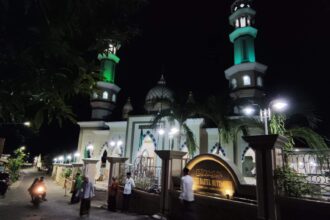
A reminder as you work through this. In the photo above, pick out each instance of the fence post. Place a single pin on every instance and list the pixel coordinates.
(264, 147)
(171, 165)
(113, 161)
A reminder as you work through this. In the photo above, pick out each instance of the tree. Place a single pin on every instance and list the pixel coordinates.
(179, 113)
(15, 163)
(217, 110)
(48, 50)
(295, 132)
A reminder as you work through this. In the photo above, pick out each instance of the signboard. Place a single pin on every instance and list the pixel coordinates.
(212, 175)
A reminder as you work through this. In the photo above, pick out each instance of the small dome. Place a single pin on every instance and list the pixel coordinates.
(159, 97)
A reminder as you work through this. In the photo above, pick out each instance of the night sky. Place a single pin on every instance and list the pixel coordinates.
(188, 41)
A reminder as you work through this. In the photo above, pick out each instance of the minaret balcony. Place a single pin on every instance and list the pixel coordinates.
(243, 31)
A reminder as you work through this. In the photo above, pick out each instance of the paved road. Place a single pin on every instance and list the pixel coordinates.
(16, 205)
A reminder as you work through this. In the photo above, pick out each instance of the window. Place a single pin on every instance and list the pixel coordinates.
(248, 21)
(114, 97)
(246, 80)
(237, 23)
(234, 83)
(259, 81)
(95, 95)
(243, 21)
(105, 95)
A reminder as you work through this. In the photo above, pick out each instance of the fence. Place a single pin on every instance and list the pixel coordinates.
(309, 171)
(146, 178)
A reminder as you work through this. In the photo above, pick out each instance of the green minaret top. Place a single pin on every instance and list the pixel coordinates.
(109, 60)
(243, 36)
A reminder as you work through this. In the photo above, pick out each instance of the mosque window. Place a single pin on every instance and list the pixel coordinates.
(234, 83)
(114, 97)
(248, 21)
(95, 95)
(237, 23)
(242, 5)
(235, 8)
(259, 81)
(243, 21)
(246, 80)
(105, 95)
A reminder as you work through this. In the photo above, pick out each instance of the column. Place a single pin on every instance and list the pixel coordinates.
(171, 166)
(113, 161)
(90, 168)
(264, 147)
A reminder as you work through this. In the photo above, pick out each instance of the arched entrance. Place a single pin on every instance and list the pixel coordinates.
(248, 162)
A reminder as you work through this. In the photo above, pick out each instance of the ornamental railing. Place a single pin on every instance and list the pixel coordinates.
(312, 170)
(146, 178)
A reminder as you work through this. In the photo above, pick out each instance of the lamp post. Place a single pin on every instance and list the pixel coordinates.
(173, 131)
(69, 158)
(61, 159)
(76, 156)
(277, 105)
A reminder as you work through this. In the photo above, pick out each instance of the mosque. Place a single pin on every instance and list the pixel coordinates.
(134, 138)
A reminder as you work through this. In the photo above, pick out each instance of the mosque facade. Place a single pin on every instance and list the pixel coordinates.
(135, 138)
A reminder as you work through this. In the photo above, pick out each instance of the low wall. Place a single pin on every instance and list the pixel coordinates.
(141, 202)
(294, 208)
(206, 207)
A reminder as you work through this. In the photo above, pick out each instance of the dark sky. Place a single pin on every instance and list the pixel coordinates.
(189, 41)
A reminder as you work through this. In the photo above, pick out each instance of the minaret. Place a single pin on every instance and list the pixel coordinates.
(246, 75)
(104, 99)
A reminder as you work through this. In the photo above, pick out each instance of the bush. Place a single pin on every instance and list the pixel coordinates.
(291, 183)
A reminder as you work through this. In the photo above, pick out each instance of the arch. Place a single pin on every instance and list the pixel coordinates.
(222, 176)
(233, 83)
(214, 149)
(248, 152)
(246, 80)
(259, 81)
(148, 133)
(105, 95)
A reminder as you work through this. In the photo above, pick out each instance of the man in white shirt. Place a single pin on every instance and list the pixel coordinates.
(187, 194)
(87, 192)
(129, 186)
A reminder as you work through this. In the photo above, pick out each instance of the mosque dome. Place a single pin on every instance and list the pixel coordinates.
(159, 97)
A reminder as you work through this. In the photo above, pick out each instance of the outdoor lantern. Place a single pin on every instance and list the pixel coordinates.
(76, 156)
(277, 105)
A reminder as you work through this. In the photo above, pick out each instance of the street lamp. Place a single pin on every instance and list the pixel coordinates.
(277, 105)
(61, 159)
(55, 160)
(69, 157)
(173, 131)
(76, 156)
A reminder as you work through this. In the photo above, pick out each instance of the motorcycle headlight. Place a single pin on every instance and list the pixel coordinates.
(40, 189)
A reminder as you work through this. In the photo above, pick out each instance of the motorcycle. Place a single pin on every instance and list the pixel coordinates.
(37, 195)
(4, 183)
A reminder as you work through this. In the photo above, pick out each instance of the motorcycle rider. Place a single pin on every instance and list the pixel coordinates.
(37, 183)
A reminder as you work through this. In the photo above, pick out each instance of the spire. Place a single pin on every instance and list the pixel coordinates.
(162, 80)
(127, 108)
(190, 99)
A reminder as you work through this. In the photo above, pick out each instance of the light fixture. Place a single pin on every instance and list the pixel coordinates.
(27, 124)
(77, 154)
(161, 131)
(112, 143)
(69, 157)
(248, 110)
(174, 130)
(90, 147)
(279, 105)
(119, 143)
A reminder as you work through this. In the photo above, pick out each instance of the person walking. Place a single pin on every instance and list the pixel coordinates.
(128, 189)
(187, 194)
(87, 192)
(75, 198)
(113, 189)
